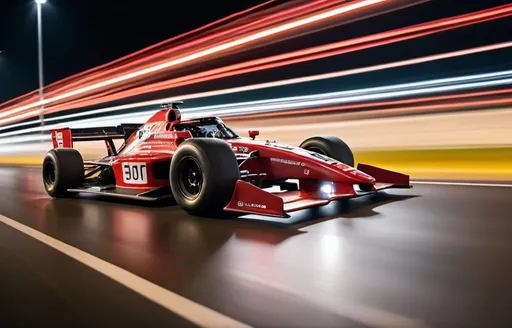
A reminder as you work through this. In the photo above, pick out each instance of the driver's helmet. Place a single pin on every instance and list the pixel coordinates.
(202, 131)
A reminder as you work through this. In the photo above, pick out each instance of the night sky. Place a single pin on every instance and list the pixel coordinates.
(81, 34)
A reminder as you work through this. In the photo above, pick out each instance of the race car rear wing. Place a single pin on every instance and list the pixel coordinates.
(64, 138)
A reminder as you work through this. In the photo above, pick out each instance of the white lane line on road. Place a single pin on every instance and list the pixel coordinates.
(191, 311)
(468, 184)
(356, 312)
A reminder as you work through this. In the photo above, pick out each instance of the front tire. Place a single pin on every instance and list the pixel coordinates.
(330, 146)
(63, 168)
(203, 175)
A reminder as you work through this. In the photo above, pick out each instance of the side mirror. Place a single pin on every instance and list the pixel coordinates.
(253, 134)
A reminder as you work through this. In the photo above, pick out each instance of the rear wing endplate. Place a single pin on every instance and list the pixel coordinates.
(64, 138)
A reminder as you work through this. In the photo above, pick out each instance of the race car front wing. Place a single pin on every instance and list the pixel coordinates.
(248, 198)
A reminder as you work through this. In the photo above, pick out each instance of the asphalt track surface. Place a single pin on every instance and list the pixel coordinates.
(432, 256)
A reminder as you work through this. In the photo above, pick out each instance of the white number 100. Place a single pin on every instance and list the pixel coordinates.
(135, 173)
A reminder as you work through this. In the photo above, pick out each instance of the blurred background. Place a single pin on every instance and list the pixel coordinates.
(423, 87)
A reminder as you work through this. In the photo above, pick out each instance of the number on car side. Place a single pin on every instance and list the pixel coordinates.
(135, 173)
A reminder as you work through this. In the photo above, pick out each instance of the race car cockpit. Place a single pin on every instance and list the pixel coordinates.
(211, 127)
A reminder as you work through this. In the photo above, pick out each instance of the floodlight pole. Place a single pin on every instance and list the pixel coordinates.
(40, 60)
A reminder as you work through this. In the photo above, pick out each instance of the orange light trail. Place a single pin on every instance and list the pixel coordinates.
(132, 87)
(366, 106)
(291, 81)
(333, 49)
(312, 78)
(316, 17)
(67, 80)
(152, 59)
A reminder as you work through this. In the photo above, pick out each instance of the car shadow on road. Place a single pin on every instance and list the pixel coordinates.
(356, 208)
(360, 208)
(168, 202)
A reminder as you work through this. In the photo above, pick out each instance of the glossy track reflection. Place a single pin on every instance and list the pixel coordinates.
(436, 255)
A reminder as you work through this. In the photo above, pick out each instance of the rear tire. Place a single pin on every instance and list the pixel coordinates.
(63, 168)
(203, 175)
(330, 146)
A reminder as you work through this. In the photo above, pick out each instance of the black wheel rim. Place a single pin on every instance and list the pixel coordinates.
(49, 175)
(190, 177)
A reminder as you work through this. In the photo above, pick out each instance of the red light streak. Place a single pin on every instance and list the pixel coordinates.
(404, 110)
(177, 50)
(332, 74)
(323, 51)
(139, 52)
(314, 53)
(132, 88)
(206, 53)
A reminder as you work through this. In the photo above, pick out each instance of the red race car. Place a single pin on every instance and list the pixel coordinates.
(206, 167)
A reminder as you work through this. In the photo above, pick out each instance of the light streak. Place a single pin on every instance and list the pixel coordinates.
(294, 57)
(459, 83)
(395, 103)
(145, 50)
(334, 99)
(279, 83)
(202, 41)
(210, 51)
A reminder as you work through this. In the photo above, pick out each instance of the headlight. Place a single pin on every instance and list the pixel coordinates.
(327, 188)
